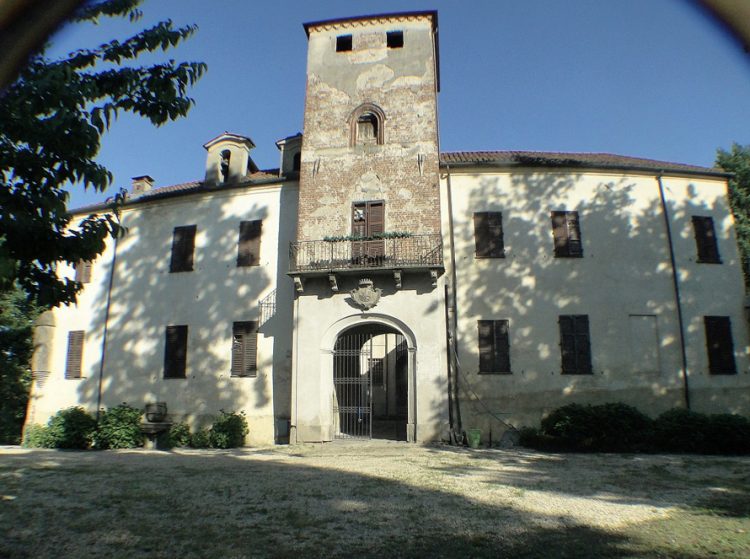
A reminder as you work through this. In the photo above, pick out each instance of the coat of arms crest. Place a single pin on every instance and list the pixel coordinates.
(366, 295)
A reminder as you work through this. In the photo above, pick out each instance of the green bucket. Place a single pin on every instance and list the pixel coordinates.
(474, 436)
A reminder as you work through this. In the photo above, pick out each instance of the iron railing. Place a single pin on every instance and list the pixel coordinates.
(417, 251)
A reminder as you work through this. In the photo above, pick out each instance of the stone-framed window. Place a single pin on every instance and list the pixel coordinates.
(366, 125)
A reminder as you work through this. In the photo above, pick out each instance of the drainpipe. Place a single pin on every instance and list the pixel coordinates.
(452, 326)
(676, 283)
(106, 329)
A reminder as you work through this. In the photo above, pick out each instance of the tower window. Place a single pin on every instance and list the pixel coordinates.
(367, 129)
(226, 155)
(343, 43)
(297, 162)
(395, 39)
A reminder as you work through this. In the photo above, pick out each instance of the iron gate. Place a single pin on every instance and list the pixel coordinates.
(352, 386)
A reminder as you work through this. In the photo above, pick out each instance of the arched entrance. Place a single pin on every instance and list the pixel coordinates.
(371, 383)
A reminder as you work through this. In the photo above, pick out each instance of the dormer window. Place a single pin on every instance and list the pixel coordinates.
(343, 43)
(395, 39)
(226, 155)
(366, 125)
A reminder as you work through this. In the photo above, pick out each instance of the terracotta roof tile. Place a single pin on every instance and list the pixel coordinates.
(560, 159)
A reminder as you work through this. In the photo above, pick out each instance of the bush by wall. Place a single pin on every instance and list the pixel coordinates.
(69, 428)
(37, 436)
(617, 427)
(119, 427)
(177, 436)
(228, 431)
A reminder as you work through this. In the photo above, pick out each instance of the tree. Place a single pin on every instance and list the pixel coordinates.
(737, 161)
(52, 119)
(17, 316)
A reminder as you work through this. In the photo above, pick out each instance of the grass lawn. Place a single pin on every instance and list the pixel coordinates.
(373, 499)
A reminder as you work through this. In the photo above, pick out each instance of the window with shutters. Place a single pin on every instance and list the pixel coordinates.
(488, 235)
(567, 235)
(248, 246)
(74, 358)
(244, 349)
(719, 345)
(175, 351)
(705, 240)
(575, 345)
(494, 346)
(83, 271)
(368, 220)
(366, 125)
(183, 247)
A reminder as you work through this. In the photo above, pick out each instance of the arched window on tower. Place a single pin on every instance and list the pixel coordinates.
(366, 123)
(226, 155)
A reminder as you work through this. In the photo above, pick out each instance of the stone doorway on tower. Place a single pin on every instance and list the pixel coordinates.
(370, 380)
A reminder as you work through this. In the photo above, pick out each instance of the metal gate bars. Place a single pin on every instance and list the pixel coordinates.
(352, 384)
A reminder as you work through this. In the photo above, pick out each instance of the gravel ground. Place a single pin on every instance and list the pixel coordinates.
(372, 499)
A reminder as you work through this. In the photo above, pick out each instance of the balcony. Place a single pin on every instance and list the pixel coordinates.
(416, 253)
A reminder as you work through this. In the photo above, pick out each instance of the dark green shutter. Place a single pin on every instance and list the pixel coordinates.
(175, 352)
(575, 344)
(488, 235)
(719, 345)
(705, 240)
(248, 246)
(486, 354)
(183, 248)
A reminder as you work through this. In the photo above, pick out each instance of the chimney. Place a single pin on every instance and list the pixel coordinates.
(141, 184)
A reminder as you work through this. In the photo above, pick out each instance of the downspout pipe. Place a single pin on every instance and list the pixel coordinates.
(676, 284)
(106, 329)
(452, 322)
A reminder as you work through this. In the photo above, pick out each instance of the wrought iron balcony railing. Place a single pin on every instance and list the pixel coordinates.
(417, 251)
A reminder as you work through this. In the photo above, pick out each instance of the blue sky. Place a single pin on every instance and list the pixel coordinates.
(642, 78)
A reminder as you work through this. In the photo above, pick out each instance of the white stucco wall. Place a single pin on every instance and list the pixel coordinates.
(146, 298)
(623, 283)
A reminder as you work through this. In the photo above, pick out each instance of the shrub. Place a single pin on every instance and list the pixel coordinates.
(612, 427)
(228, 431)
(120, 427)
(177, 436)
(727, 434)
(679, 430)
(71, 428)
(37, 436)
(200, 439)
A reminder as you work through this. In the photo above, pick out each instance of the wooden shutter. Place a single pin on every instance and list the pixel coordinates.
(705, 240)
(488, 235)
(175, 352)
(575, 345)
(75, 354)
(719, 345)
(83, 271)
(494, 346)
(502, 347)
(248, 246)
(244, 349)
(566, 231)
(486, 352)
(183, 247)
(375, 218)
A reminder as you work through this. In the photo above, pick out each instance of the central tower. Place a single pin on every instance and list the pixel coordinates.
(370, 147)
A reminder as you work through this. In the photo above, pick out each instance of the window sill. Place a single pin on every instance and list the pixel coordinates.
(495, 372)
(722, 373)
(255, 375)
(568, 255)
(489, 257)
(708, 262)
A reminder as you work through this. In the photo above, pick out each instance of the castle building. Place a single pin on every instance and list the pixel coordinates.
(373, 286)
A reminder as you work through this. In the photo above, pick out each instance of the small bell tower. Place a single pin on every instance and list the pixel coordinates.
(228, 159)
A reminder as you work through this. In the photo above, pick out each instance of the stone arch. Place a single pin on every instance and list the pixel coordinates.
(367, 112)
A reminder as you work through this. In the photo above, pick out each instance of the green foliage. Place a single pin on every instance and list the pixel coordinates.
(119, 427)
(229, 430)
(52, 120)
(375, 237)
(200, 439)
(37, 436)
(17, 317)
(617, 427)
(71, 428)
(177, 436)
(681, 430)
(737, 161)
(612, 427)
